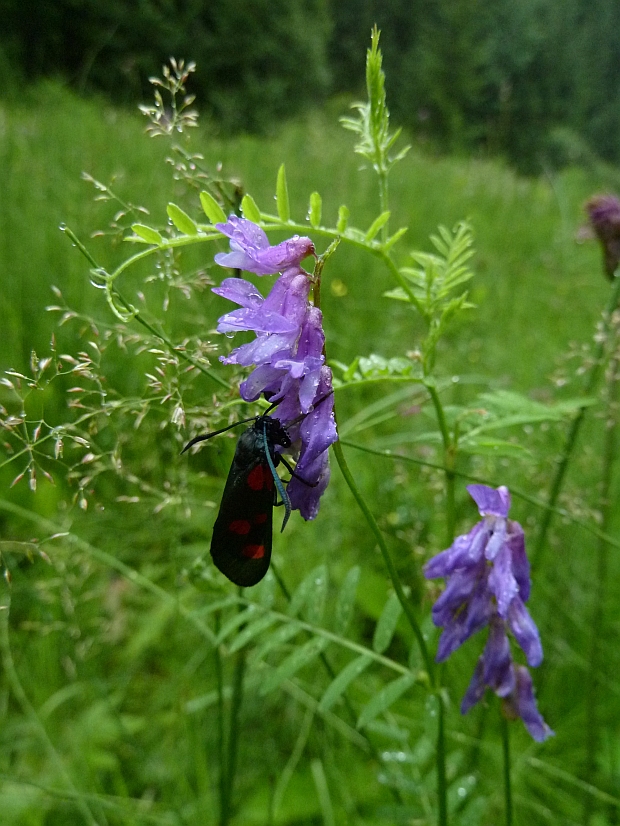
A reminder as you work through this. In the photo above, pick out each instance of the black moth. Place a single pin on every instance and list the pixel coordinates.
(242, 534)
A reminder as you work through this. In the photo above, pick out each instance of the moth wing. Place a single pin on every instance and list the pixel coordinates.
(242, 534)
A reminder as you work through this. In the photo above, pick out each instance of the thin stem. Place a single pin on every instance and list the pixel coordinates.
(571, 437)
(507, 774)
(221, 737)
(442, 783)
(389, 563)
(233, 736)
(597, 630)
(449, 461)
(383, 203)
(30, 713)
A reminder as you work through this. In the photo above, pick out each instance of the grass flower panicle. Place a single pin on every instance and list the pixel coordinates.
(488, 583)
(287, 353)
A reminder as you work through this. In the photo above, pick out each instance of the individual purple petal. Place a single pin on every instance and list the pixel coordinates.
(305, 498)
(525, 632)
(239, 260)
(502, 583)
(259, 379)
(490, 501)
(289, 296)
(523, 703)
(240, 291)
(264, 347)
(520, 562)
(311, 337)
(458, 555)
(474, 615)
(246, 234)
(259, 320)
(476, 689)
(498, 670)
(251, 251)
(458, 591)
(496, 526)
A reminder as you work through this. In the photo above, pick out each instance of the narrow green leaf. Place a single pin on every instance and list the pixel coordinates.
(253, 630)
(394, 238)
(384, 630)
(181, 220)
(385, 698)
(276, 639)
(305, 588)
(376, 225)
(212, 209)
(235, 622)
(316, 605)
(346, 600)
(266, 591)
(340, 684)
(343, 218)
(293, 663)
(284, 209)
(250, 209)
(148, 234)
(315, 211)
(322, 790)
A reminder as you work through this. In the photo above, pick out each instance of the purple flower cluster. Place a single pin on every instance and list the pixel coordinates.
(287, 353)
(604, 214)
(488, 583)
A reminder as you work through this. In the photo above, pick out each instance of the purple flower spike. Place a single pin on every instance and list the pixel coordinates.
(250, 249)
(287, 353)
(487, 584)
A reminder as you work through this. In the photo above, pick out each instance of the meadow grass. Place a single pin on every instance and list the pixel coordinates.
(123, 684)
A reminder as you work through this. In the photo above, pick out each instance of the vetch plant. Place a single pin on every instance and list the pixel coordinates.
(367, 671)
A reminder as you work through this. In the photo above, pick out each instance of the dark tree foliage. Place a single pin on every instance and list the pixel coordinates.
(256, 59)
(537, 81)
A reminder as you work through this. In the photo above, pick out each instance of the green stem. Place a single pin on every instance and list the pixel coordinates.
(383, 203)
(30, 713)
(449, 462)
(389, 563)
(221, 737)
(597, 630)
(507, 775)
(233, 736)
(442, 783)
(571, 438)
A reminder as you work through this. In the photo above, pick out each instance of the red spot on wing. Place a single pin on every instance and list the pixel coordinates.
(257, 478)
(254, 551)
(240, 526)
(260, 518)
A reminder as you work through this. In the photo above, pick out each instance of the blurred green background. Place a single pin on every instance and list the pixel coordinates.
(512, 110)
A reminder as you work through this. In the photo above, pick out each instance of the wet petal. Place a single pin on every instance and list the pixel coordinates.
(259, 320)
(502, 582)
(525, 706)
(495, 502)
(525, 631)
(240, 291)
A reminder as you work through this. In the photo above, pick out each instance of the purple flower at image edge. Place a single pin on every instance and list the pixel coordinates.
(487, 584)
(287, 353)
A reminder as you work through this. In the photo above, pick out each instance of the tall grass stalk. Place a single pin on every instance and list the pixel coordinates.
(573, 431)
